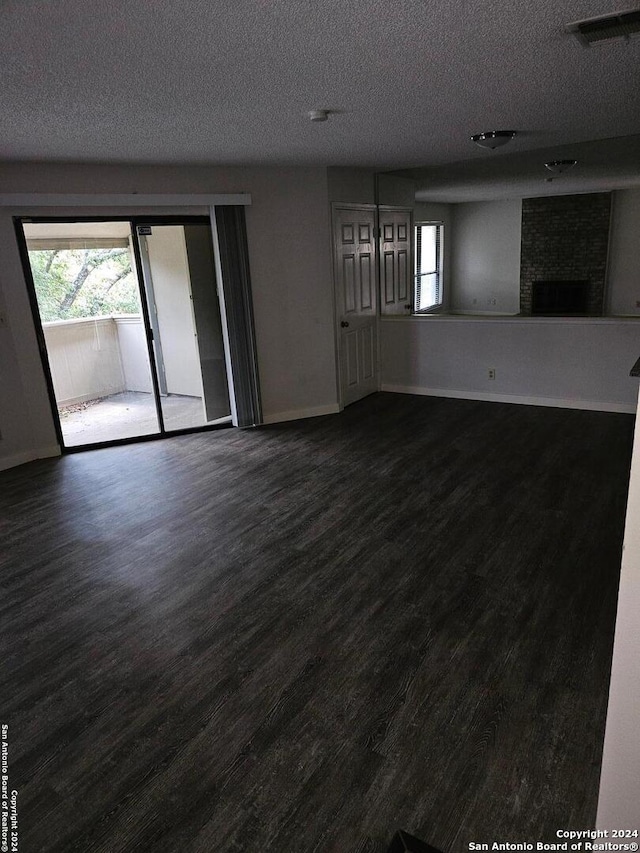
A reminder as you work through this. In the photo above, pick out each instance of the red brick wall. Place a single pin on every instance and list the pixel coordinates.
(565, 238)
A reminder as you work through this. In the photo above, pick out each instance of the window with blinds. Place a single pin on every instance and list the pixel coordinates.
(428, 268)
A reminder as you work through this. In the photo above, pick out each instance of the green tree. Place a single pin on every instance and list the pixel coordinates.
(83, 282)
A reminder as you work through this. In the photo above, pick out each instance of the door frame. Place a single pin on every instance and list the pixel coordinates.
(134, 220)
(369, 208)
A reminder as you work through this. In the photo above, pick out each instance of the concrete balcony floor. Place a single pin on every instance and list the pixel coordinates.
(127, 415)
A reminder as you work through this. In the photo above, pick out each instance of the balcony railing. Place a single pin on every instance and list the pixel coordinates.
(94, 357)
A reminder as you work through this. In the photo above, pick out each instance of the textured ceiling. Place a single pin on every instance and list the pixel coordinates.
(601, 166)
(204, 81)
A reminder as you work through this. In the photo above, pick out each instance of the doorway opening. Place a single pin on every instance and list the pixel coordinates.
(130, 327)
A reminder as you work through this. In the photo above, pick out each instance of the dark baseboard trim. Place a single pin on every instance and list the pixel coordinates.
(405, 843)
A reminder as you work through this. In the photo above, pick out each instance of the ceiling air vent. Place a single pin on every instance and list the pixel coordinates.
(619, 25)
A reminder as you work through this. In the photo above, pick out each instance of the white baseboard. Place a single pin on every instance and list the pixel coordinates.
(298, 414)
(554, 402)
(28, 456)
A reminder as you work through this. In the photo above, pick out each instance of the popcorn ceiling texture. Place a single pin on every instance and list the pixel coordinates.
(205, 81)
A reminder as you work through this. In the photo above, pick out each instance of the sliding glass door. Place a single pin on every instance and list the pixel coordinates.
(130, 327)
(179, 281)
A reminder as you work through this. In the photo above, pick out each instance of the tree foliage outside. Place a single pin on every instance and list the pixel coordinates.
(72, 283)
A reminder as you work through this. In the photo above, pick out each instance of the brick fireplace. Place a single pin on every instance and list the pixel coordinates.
(564, 253)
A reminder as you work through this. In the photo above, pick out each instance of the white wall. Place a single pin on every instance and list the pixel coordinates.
(426, 211)
(134, 354)
(396, 190)
(485, 256)
(289, 253)
(582, 363)
(619, 801)
(84, 359)
(170, 277)
(623, 276)
(351, 186)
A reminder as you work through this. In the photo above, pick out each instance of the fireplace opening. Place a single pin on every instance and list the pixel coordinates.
(560, 297)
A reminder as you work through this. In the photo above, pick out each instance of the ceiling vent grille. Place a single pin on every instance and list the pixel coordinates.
(620, 25)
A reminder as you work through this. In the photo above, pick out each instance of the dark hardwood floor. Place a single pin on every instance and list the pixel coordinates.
(304, 637)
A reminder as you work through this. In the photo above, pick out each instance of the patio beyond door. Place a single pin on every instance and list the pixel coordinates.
(130, 325)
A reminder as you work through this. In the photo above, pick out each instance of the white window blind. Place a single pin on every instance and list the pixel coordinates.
(428, 265)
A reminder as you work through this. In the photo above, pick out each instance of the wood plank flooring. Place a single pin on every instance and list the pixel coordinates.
(307, 636)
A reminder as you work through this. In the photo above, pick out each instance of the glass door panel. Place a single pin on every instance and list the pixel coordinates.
(180, 286)
(88, 299)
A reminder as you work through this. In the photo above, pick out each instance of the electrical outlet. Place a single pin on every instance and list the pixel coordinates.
(492, 373)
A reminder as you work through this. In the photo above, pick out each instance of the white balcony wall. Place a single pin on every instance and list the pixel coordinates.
(94, 357)
(84, 356)
(133, 354)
